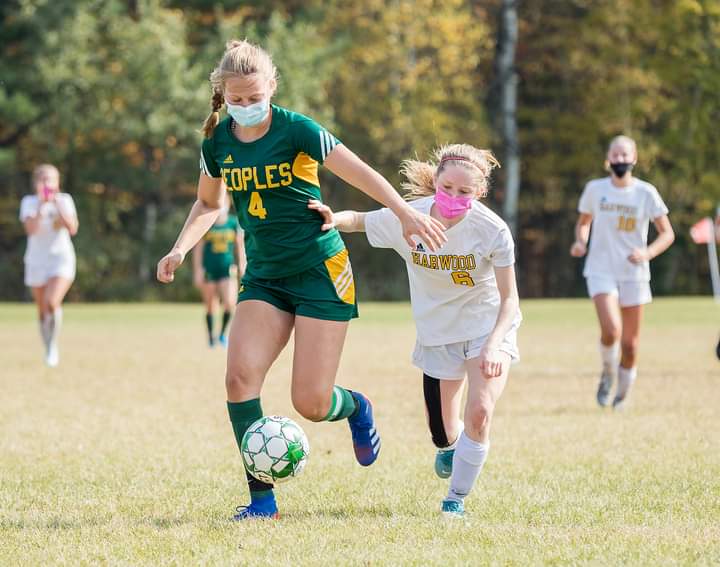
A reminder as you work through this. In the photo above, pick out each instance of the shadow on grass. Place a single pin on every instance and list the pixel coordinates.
(340, 513)
(167, 523)
(51, 524)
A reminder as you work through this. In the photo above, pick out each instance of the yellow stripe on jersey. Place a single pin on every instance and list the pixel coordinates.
(341, 275)
(306, 168)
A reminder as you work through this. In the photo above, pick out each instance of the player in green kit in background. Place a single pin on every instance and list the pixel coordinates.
(298, 276)
(218, 260)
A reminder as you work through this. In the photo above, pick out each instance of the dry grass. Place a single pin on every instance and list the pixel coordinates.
(124, 455)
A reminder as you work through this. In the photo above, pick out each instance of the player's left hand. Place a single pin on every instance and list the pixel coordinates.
(491, 363)
(639, 255)
(325, 212)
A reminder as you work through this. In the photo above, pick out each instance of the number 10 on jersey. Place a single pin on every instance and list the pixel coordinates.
(626, 224)
(255, 208)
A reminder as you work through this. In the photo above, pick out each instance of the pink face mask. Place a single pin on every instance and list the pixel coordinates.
(449, 206)
(47, 192)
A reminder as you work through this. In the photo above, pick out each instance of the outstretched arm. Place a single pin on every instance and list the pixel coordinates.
(344, 221)
(351, 169)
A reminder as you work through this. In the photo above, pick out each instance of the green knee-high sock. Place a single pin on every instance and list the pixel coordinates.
(209, 323)
(242, 416)
(343, 405)
(225, 321)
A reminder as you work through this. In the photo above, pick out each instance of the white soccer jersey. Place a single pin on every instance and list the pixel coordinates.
(453, 291)
(52, 239)
(621, 217)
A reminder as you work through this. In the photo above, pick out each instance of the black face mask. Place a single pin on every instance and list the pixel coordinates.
(620, 169)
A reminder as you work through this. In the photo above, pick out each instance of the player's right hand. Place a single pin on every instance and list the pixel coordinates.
(199, 278)
(429, 230)
(167, 266)
(578, 249)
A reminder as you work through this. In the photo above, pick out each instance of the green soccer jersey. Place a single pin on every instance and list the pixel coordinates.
(271, 181)
(219, 247)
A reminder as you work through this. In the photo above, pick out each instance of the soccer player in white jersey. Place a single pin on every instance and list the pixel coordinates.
(464, 300)
(617, 268)
(50, 219)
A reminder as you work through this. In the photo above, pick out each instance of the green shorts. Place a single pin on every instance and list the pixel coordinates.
(325, 291)
(217, 272)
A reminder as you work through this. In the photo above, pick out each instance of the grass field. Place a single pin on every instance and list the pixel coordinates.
(124, 454)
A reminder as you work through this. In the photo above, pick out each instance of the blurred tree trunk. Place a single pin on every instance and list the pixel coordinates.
(507, 78)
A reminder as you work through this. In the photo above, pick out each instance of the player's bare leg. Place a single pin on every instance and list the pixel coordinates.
(53, 296)
(227, 291)
(608, 313)
(474, 442)
(627, 371)
(252, 348)
(318, 346)
(38, 294)
(208, 290)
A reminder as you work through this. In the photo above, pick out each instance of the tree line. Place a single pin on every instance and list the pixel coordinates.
(114, 92)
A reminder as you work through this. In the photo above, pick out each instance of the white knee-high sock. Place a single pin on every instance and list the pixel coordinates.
(610, 356)
(468, 460)
(626, 378)
(45, 329)
(55, 324)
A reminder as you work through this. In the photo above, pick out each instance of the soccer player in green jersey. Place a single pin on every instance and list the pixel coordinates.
(298, 276)
(218, 260)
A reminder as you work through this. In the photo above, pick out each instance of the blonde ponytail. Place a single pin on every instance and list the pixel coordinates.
(213, 118)
(420, 177)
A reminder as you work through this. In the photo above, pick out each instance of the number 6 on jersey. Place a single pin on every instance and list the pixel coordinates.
(255, 208)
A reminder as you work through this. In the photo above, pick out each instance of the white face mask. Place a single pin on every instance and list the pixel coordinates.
(250, 115)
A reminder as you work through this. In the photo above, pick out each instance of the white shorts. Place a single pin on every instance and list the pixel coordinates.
(448, 362)
(37, 275)
(629, 293)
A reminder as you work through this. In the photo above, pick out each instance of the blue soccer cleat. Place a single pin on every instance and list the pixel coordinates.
(222, 339)
(366, 441)
(452, 509)
(444, 462)
(263, 508)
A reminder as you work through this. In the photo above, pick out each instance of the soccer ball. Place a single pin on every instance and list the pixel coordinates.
(274, 449)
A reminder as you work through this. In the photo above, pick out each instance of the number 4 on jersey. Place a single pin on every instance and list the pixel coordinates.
(255, 208)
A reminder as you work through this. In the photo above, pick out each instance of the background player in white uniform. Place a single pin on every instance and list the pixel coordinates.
(50, 219)
(617, 268)
(464, 301)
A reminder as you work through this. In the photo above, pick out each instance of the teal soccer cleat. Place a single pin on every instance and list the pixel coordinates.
(453, 509)
(444, 462)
